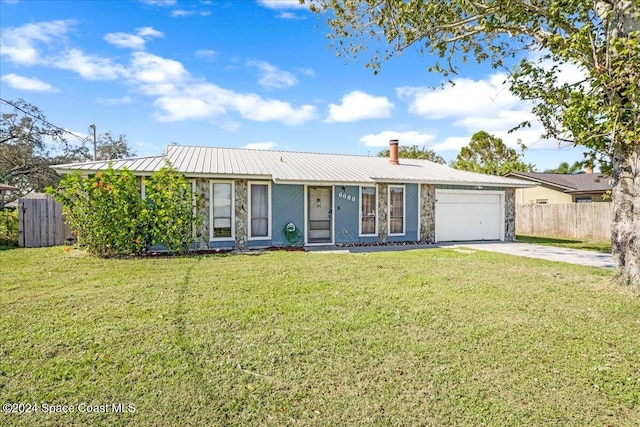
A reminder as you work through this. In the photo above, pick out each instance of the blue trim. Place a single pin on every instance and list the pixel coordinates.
(288, 206)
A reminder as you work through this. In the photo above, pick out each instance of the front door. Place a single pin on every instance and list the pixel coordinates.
(319, 214)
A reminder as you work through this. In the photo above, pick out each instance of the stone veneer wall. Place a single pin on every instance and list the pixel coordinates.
(202, 192)
(383, 206)
(509, 214)
(242, 215)
(427, 224)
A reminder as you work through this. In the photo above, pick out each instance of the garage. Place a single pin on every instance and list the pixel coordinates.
(469, 215)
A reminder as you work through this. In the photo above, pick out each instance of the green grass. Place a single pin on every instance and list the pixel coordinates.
(423, 337)
(585, 244)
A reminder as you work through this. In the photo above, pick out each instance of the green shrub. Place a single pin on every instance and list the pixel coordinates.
(105, 210)
(9, 227)
(112, 219)
(168, 211)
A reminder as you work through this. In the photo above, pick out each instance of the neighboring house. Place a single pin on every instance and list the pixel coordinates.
(248, 197)
(557, 188)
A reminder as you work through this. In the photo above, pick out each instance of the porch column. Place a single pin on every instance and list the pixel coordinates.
(427, 213)
(509, 214)
(202, 210)
(241, 211)
(383, 208)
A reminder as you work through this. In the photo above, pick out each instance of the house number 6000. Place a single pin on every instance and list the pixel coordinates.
(347, 196)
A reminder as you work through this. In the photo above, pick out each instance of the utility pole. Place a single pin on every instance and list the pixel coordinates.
(95, 143)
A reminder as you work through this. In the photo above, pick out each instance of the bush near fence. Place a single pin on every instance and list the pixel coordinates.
(572, 220)
(8, 227)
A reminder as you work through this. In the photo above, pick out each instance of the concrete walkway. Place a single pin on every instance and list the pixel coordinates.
(549, 253)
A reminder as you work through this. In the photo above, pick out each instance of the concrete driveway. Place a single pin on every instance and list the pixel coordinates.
(549, 253)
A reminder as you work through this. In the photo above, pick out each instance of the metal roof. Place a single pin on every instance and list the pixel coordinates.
(292, 166)
(569, 183)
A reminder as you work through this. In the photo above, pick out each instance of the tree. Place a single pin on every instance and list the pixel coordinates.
(414, 152)
(600, 37)
(488, 154)
(29, 144)
(565, 168)
(109, 148)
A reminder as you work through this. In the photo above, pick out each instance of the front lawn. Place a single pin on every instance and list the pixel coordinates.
(584, 244)
(423, 337)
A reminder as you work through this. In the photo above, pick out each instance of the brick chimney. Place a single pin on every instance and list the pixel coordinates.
(588, 169)
(393, 152)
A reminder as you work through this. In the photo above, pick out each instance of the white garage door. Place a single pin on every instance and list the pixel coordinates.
(469, 215)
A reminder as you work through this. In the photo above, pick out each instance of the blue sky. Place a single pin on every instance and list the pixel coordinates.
(241, 73)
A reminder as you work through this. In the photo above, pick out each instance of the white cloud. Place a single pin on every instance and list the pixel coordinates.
(308, 72)
(358, 105)
(35, 44)
(407, 138)
(156, 75)
(115, 101)
(291, 15)
(133, 41)
(21, 44)
(177, 108)
(159, 2)
(464, 97)
(254, 107)
(177, 94)
(566, 72)
(452, 143)
(474, 105)
(206, 53)
(282, 4)
(149, 32)
(130, 41)
(89, 67)
(206, 100)
(28, 83)
(261, 145)
(272, 77)
(181, 13)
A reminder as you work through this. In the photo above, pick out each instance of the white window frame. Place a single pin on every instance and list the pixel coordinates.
(583, 199)
(269, 216)
(211, 210)
(404, 210)
(375, 232)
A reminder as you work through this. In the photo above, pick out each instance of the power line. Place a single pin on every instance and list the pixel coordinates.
(43, 120)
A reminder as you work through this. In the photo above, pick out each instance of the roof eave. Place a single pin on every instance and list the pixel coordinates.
(542, 181)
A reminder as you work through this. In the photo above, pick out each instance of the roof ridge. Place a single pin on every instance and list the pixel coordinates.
(275, 151)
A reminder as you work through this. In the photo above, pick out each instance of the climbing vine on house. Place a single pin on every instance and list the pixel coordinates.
(112, 219)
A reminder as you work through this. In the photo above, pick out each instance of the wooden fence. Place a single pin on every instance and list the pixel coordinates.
(41, 223)
(572, 220)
